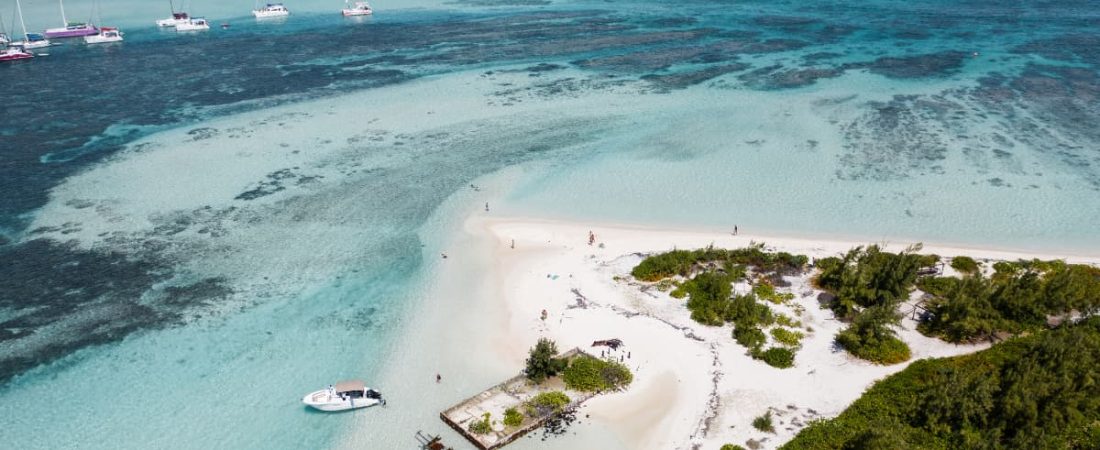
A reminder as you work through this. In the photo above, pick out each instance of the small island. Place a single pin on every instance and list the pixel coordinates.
(551, 385)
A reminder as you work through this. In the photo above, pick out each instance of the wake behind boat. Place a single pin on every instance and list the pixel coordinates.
(345, 395)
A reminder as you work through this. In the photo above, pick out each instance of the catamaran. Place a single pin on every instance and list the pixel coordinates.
(271, 10)
(71, 29)
(343, 396)
(195, 24)
(14, 54)
(30, 40)
(358, 9)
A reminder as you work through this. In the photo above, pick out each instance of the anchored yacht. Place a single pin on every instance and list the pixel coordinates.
(357, 9)
(271, 10)
(106, 35)
(195, 24)
(343, 396)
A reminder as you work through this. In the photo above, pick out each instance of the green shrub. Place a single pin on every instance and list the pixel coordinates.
(732, 447)
(482, 426)
(547, 403)
(1032, 392)
(764, 423)
(778, 357)
(541, 361)
(589, 374)
(766, 291)
(512, 418)
(870, 337)
(965, 265)
(748, 336)
(684, 262)
(867, 277)
(787, 337)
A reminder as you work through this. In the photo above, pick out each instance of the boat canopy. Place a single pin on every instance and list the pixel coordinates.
(351, 385)
(35, 37)
(179, 15)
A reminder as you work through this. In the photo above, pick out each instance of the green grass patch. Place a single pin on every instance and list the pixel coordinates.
(512, 418)
(764, 423)
(787, 337)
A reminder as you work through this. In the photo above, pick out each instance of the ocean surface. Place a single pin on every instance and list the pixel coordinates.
(196, 230)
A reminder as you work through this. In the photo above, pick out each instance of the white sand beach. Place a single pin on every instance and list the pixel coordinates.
(694, 387)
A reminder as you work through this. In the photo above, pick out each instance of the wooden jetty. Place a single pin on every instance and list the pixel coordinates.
(512, 393)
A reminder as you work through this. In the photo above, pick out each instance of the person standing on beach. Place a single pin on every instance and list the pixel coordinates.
(735, 230)
(438, 378)
(486, 206)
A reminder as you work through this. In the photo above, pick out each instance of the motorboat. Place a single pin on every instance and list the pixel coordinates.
(195, 24)
(357, 9)
(106, 35)
(14, 54)
(178, 18)
(342, 396)
(71, 29)
(271, 10)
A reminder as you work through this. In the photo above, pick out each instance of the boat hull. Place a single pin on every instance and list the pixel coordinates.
(14, 55)
(270, 14)
(101, 39)
(31, 44)
(61, 33)
(357, 12)
(169, 23)
(189, 27)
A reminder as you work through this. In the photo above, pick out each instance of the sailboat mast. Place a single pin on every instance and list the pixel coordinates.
(19, 8)
(172, 7)
(64, 20)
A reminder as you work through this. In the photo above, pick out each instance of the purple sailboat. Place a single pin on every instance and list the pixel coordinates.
(71, 29)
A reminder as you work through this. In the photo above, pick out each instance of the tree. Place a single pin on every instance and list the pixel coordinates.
(541, 361)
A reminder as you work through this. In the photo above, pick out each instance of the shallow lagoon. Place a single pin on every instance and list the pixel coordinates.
(272, 211)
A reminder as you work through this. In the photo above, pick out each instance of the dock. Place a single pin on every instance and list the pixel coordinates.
(512, 393)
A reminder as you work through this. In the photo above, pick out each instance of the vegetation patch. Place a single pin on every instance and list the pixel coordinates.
(1018, 297)
(483, 426)
(542, 362)
(547, 403)
(686, 262)
(787, 337)
(778, 357)
(588, 374)
(1031, 392)
(512, 418)
(871, 337)
(764, 423)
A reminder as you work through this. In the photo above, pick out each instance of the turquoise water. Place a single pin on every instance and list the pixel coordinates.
(197, 230)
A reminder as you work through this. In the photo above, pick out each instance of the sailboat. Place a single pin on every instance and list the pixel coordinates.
(30, 40)
(106, 34)
(71, 29)
(358, 9)
(177, 19)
